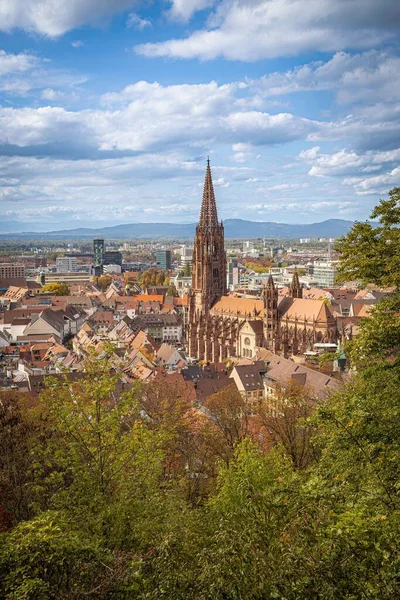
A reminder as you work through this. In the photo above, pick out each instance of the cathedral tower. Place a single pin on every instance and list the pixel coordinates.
(209, 260)
(271, 322)
(295, 289)
(208, 267)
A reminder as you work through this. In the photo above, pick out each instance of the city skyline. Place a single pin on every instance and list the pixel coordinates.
(108, 110)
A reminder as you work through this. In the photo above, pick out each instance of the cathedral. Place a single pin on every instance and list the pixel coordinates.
(221, 326)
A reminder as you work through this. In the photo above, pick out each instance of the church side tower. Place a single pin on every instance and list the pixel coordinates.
(271, 322)
(295, 289)
(208, 270)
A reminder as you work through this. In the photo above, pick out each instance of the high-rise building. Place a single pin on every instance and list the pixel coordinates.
(248, 246)
(66, 264)
(186, 255)
(98, 251)
(232, 273)
(163, 260)
(11, 270)
(112, 257)
(324, 273)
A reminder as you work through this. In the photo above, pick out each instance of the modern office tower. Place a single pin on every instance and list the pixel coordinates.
(163, 259)
(112, 257)
(98, 251)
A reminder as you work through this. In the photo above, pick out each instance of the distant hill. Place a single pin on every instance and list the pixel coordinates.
(234, 228)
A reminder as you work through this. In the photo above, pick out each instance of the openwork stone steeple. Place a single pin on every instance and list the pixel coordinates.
(208, 213)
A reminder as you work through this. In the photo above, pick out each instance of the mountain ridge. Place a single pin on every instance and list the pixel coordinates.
(234, 228)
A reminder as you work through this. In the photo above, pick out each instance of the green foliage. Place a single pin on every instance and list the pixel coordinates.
(44, 559)
(379, 337)
(172, 291)
(187, 270)
(372, 254)
(56, 289)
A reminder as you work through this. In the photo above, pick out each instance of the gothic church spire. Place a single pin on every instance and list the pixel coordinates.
(295, 289)
(208, 213)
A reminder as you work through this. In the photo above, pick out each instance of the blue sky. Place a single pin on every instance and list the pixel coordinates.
(109, 108)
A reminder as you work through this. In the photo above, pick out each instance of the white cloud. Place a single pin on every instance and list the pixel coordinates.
(282, 187)
(77, 44)
(33, 189)
(55, 17)
(363, 172)
(368, 77)
(378, 185)
(137, 22)
(184, 9)
(58, 95)
(250, 30)
(220, 182)
(347, 161)
(314, 207)
(23, 73)
(17, 63)
(168, 209)
(376, 127)
(151, 116)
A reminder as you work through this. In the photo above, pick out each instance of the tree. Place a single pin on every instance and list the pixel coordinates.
(187, 270)
(172, 291)
(160, 278)
(379, 338)
(230, 413)
(284, 419)
(56, 289)
(46, 558)
(372, 254)
(103, 282)
(22, 421)
(151, 277)
(247, 521)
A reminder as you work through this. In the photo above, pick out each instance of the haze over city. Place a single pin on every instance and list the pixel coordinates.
(109, 109)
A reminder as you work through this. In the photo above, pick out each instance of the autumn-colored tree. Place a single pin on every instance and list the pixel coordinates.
(56, 289)
(284, 419)
(230, 412)
(103, 282)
